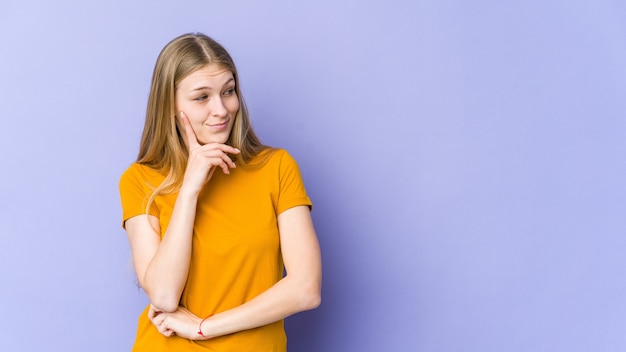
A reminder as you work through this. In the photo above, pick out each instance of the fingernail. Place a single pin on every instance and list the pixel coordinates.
(238, 151)
(234, 165)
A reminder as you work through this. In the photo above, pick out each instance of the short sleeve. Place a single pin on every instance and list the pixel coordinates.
(291, 187)
(134, 193)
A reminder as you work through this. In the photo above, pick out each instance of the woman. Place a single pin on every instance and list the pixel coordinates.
(213, 216)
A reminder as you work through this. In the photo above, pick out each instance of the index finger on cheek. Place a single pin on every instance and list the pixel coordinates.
(192, 140)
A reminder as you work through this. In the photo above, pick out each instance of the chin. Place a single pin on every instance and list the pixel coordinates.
(214, 139)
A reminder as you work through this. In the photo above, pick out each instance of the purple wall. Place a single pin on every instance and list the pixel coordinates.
(466, 161)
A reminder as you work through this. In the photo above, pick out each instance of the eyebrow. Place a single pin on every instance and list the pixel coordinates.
(209, 88)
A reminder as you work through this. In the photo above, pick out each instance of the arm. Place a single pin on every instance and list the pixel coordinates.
(162, 266)
(299, 290)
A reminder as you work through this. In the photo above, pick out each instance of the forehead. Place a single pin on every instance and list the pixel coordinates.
(207, 76)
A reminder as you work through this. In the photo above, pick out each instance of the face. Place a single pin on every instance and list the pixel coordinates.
(207, 97)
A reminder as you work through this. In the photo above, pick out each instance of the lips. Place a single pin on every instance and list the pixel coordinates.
(219, 126)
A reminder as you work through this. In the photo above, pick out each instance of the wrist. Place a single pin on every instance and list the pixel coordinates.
(200, 332)
(188, 192)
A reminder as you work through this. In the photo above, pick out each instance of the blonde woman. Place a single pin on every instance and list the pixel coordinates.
(219, 224)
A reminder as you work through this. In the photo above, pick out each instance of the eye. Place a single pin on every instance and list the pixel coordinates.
(229, 91)
(202, 98)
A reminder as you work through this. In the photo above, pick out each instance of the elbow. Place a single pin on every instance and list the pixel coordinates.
(164, 299)
(306, 291)
(165, 306)
(163, 302)
(311, 298)
(314, 301)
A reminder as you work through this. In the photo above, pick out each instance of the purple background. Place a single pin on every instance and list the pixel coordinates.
(466, 160)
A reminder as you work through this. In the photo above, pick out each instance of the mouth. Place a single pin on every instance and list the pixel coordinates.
(220, 126)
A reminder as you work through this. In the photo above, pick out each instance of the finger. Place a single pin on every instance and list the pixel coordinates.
(214, 158)
(161, 326)
(165, 329)
(216, 150)
(210, 173)
(222, 164)
(192, 140)
(157, 320)
(225, 161)
(215, 162)
(152, 312)
(162, 330)
(226, 148)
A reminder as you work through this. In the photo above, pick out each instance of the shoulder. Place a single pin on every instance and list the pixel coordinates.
(276, 157)
(272, 162)
(140, 174)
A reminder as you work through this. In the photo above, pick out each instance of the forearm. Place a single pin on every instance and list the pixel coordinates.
(288, 296)
(299, 290)
(166, 274)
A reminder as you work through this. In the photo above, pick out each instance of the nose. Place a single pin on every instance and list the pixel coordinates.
(218, 109)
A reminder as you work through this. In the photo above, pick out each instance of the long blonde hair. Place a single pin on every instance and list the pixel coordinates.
(162, 146)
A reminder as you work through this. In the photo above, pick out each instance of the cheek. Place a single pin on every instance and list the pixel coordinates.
(182, 107)
(192, 113)
(233, 106)
(178, 105)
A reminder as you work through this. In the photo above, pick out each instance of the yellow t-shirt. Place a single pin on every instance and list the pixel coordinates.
(235, 247)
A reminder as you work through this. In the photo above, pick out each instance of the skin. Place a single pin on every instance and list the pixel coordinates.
(208, 102)
(208, 105)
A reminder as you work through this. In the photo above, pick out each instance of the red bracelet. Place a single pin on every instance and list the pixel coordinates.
(200, 328)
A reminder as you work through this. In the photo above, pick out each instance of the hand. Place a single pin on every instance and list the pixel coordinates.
(204, 158)
(181, 323)
(157, 317)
